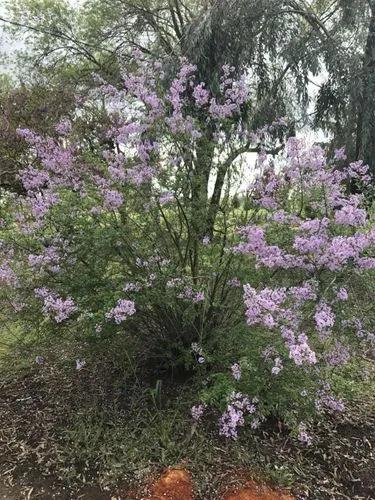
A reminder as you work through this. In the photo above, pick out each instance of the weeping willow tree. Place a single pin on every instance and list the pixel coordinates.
(346, 100)
(365, 143)
(282, 44)
(277, 41)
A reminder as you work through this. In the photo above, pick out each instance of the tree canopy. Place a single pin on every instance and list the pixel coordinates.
(282, 45)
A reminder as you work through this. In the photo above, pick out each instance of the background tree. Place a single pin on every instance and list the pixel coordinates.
(345, 104)
(275, 42)
(281, 44)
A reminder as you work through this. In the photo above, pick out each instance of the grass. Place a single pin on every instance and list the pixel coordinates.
(106, 427)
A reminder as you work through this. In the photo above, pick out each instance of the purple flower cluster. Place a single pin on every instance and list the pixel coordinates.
(317, 243)
(140, 110)
(342, 294)
(198, 351)
(339, 355)
(234, 283)
(201, 94)
(334, 239)
(197, 412)
(278, 309)
(166, 198)
(300, 351)
(324, 317)
(189, 294)
(123, 309)
(303, 436)
(236, 371)
(53, 305)
(112, 199)
(39, 360)
(49, 259)
(177, 122)
(263, 307)
(7, 275)
(238, 407)
(328, 403)
(235, 93)
(64, 127)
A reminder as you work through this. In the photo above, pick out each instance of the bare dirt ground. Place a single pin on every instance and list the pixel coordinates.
(173, 484)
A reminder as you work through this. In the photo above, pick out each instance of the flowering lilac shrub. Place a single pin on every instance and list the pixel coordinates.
(312, 244)
(141, 231)
(122, 230)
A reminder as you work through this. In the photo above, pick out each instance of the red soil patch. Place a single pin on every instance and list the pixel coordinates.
(174, 484)
(256, 491)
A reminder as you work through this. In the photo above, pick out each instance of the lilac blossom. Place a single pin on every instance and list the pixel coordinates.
(53, 305)
(166, 198)
(198, 297)
(238, 407)
(80, 363)
(277, 367)
(189, 294)
(263, 306)
(64, 127)
(231, 419)
(34, 179)
(315, 244)
(342, 294)
(123, 309)
(338, 355)
(197, 412)
(140, 175)
(236, 371)
(49, 259)
(112, 199)
(324, 317)
(41, 204)
(234, 283)
(340, 154)
(300, 352)
(328, 402)
(351, 216)
(303, 436)
(305, 292)
(201, 95)
(7, 275)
